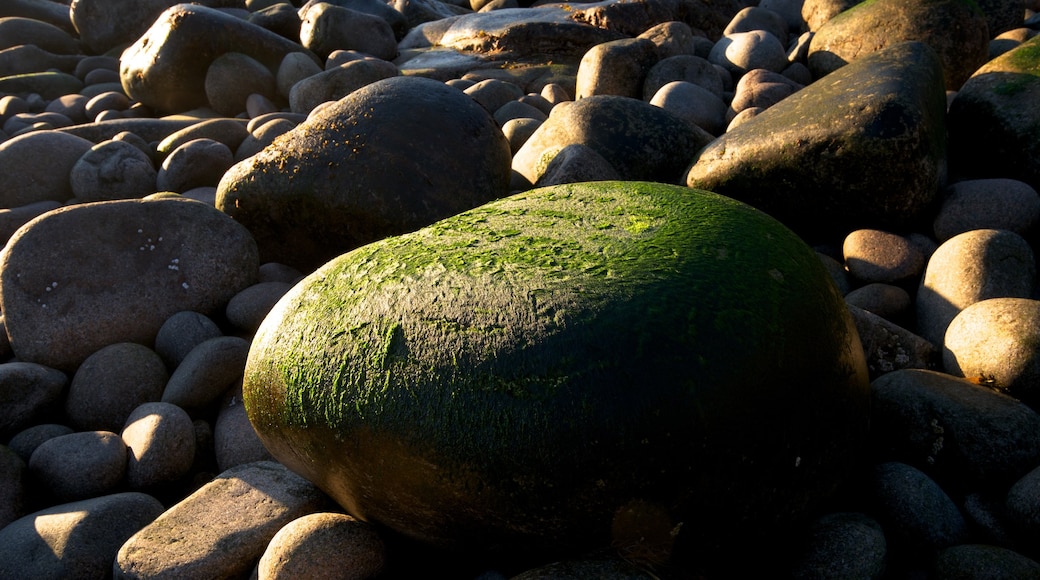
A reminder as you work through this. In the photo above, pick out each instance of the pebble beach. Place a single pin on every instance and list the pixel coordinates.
(168, 172)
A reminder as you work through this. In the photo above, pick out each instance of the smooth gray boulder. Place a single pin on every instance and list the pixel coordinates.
(812, 159)
(389, 158)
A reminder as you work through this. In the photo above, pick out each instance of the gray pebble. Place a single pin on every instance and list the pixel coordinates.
(324, 545)
(160, 441)
(879, 256)
(196, 163)
(26, 441)
(30, 391)
(112, 170)
(231, 78)
(181, 333)
(111, 383)
(843, 545)
(968, 268)
(975, 561)
(741, 52)
(999, 204)
(492, 94)
(958, 431)
(918, 517)
(247, 309)
(997, 342)
(207, 372)
(693, 103)
(885, 300)
(234, 440)
(79, 465)
(295, 67)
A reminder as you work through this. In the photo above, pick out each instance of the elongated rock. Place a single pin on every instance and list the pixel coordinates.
(812, 159)
(83, 277)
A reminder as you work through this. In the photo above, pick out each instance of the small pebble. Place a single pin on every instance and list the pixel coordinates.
(879, 256)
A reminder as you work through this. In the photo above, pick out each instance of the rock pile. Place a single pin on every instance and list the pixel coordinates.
(168, 171)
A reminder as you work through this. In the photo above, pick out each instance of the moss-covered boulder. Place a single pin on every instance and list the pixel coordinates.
(994, 122)
(527, 373)
(955, 29)
(863, 147)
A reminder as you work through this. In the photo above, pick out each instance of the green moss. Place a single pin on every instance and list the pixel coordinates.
(1024, 59)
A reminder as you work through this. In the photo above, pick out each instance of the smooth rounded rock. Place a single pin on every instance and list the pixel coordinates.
(230, 132)
(293, 68)
(885, 300)
(30, 177)
(741, 52)
(181, 333)
(234, 440)
(18, 30)
(79, 465)
(13, 489)
(206, 372)
(968, 268)
(74, 540)
(693, 103)
(118, 269)
(983, 561)
(197, 163)
(917, 515)
(324, 544)
(996, 342)
(26, 441)
(880, 256)
(231, 78)
(221, 530)
(247, 309)
(1022, 504)
(111, 383)
(761, 89)
(642, 142)
(999, 204)
(160, 444)
(618, 68)
(112, 170)
(326, 27)
(29, 391)
(843, 545)
(576, 163)
(375, 163)
(337, 83)
(962, 433)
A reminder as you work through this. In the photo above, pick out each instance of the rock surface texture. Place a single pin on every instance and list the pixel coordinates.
(170, 173)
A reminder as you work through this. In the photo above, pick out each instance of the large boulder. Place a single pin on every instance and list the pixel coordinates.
(83, 277)
(955, 29)
(166, 67)
(521, 375)
(812, 160)
(106, 24)
(994, 125)
(389, 158)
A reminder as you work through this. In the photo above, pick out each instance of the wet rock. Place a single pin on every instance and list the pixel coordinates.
(118, 269)
(373, 164)
(811, 160)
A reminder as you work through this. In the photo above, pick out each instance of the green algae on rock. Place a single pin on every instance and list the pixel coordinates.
(863, 147)
(511, 378)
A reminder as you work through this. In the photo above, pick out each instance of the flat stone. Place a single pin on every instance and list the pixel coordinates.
(222, 529)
